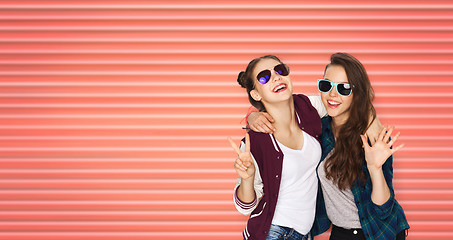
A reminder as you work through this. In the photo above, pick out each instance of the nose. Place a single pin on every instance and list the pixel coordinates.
(275, 76)
(333, 92)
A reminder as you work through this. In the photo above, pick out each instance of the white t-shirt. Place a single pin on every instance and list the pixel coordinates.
(299, 185)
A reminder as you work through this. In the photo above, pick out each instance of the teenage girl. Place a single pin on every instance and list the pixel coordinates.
(278, 185)
(356, 177)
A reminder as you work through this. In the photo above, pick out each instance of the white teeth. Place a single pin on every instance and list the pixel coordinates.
(333, 103)
(280, 88)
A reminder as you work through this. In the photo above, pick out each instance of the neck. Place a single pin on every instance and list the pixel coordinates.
(284, 115)
(337, 122)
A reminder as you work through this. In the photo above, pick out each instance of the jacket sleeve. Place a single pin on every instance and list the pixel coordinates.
(243, 207)
(385, 210)
(316, 102)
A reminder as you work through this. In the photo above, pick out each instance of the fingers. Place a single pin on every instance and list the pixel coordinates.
(268, 117)
(262, 128)
(247, 142)
(235, 147)
(391, 142)
(382, 134)
(366, 146)
(389, 133)
(240, 165)
(254, 127)
(243, 162)
(266, 122)
(268, 127)
(263, 123)
(372, 140)
(394, 150)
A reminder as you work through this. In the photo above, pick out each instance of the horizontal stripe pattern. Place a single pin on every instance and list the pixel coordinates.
(114, 116)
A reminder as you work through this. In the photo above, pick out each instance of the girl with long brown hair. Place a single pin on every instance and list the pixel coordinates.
(356, 177)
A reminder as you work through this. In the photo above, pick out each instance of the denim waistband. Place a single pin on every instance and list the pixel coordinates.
(280, 232)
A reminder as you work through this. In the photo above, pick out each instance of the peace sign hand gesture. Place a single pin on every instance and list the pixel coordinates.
(244, 165)
(380, 151)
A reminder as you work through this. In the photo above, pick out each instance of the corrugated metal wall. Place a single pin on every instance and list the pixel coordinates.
(114, 114)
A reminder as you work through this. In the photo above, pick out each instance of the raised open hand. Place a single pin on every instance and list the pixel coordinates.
(380, 151)
(244, 163)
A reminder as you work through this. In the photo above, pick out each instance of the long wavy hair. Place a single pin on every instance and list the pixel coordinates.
(344, 166)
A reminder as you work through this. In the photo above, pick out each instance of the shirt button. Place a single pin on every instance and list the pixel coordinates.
(355, 232)
(317, 135)
(278, 157)
(276, 176)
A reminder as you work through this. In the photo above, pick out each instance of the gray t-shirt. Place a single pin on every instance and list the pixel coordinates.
(340, 205)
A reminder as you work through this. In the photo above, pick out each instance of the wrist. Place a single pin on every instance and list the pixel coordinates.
(373, 170)
(248, 180)
(249, 111)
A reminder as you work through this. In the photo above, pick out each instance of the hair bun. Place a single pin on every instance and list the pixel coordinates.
(241, 79)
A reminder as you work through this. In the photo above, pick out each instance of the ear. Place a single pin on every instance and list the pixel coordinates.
(255, 95)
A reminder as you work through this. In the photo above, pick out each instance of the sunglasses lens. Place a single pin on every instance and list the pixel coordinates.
(324, 86)
(264, 76)
(344, 89)
(281, 70)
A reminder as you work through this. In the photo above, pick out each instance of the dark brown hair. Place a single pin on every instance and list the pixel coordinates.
(344, 166)
(247, 80)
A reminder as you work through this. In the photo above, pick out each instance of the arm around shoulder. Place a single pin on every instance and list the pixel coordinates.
(316, 102)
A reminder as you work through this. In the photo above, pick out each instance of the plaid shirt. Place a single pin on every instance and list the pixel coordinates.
(379, 222)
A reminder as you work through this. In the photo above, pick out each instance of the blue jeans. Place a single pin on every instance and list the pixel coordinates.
(284, 233)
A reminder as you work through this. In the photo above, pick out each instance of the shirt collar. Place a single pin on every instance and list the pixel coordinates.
(326, 124)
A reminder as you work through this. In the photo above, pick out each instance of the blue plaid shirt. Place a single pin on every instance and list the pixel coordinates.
(379, 222)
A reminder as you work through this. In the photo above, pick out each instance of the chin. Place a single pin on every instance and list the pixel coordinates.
(332, 113)
(287, 95)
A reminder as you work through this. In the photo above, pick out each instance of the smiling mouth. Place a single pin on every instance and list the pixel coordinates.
(333, 103)
(280, 88)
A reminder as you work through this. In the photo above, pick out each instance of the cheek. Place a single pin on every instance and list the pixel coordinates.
(349, 98)
(347, 101)
(261, 90)
(259, 87)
